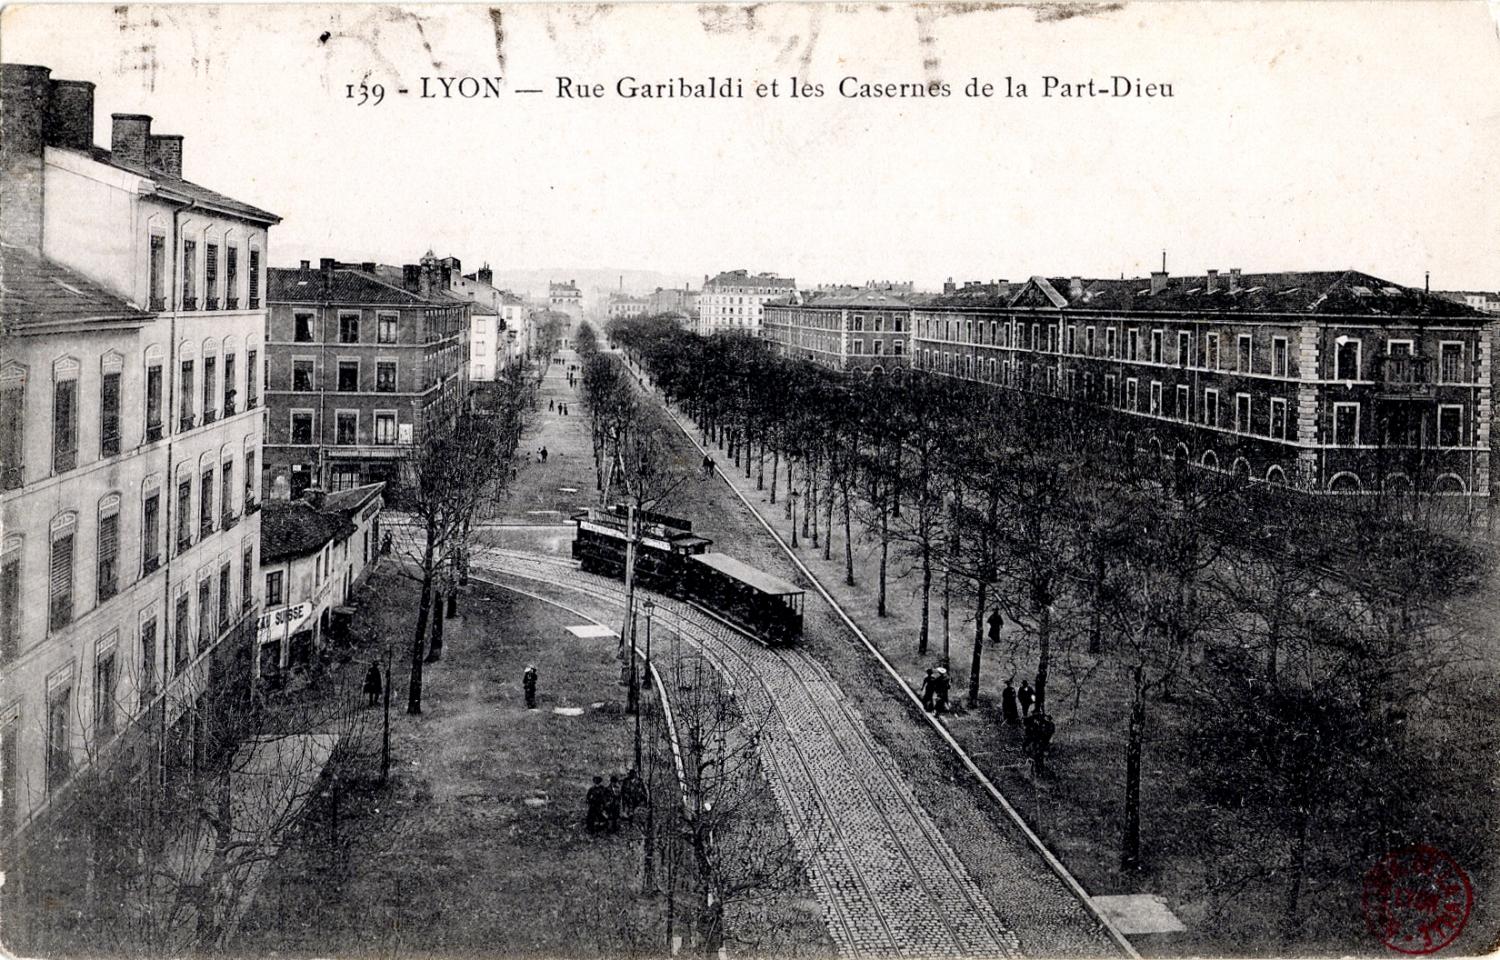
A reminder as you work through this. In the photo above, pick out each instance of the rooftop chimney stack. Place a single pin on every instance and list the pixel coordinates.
(1075, 288)
(23, 114)
(1213, 281)
(71, 117)
(314, 497)
(306, 266)
(128, 138)
(164, 154)
(411, 277)
(1158, 281)
(1234, 280)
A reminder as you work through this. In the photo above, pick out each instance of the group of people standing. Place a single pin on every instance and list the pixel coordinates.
(934, 690)
(1037, 728)
(607, 804)
(556, 406)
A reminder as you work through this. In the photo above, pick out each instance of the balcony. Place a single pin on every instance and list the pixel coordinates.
(1403, 377)
(12, 478)
(187, 422)
(211, 304)
(254, 303)
(189, 303)
(209, 416)
(153, 432)
(150, 565)
(64, 460)
(229, 409)
(252, 505)
(109, 446)
(231, 303)
(252, 402)
(229, 520)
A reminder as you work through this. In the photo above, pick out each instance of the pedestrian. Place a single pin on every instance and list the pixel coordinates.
(1026, 696)
(372, 684)
(928, 688)
(1008, 705)
(597, 798)
(550, 407)
(385, 544)
(612, 808)
(528, 684)
(544, 454)
(708, 467)
(940, 694)
(632, 793)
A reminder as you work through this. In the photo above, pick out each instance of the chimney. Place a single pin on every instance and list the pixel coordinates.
(1158, 281)
(306, 266)
(128, 137)
(24, 92)
(368, 266)
(1234, 280)
(1213, 281)
(314, 497)
(164, 154)
(1075, 288)
(326, 266)
(486, 275)
(71, 118)
(411, 277)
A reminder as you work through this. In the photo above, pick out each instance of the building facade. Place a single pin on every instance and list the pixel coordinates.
(867, 330)
(362, 357)
(734, 300)
(314, 552)
(1327, 381)
(623, 306)
(132, 333)
(1485, 301)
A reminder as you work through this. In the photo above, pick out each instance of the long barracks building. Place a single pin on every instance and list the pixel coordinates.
(1332, 381)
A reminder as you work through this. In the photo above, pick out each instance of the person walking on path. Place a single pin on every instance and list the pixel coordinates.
(372, 684)
(612, 807)
(597, 798)
(1027, 697)
(1008, 705)
(940, 691)
(551, 405)
(708, 467)
(528, 684)
(927, 689)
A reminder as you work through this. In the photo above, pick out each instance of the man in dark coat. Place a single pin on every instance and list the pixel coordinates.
(632, 793)
(598, 806)
(1008, 705)
(1026, 697)
(528, 684)
(927, 689)
(372, 684)
(940, 691)
(612, 803)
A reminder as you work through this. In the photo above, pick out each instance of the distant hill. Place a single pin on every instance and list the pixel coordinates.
(589, 279)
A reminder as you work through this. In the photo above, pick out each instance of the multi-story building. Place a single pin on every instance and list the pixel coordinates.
(566, 298)
(362, 357)
(1328, 381)
(862, 329)
(1485, 301)
(670, 300)
(131, 330)
(497, 331)
(733, 301)
(314, 552)
(623, 306)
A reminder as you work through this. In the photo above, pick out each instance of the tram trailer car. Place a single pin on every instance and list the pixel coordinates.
(671, 559)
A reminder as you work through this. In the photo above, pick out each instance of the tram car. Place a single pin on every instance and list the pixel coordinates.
(671, 559)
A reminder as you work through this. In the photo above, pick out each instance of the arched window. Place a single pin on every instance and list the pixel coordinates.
(1449, 483)
(1344, 483)
(1210, 460)
(1276, 475)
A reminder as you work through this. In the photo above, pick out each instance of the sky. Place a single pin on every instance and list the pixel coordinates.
(1298, 136)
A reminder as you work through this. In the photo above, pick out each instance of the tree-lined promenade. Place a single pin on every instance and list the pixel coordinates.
(1308, 655)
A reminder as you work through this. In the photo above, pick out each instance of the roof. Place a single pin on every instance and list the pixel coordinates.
(345, 284)
(38, 295)
(743, 278)
(349, 501)
(186, 189)
(746, 574)
(292, 528)
(858, 299)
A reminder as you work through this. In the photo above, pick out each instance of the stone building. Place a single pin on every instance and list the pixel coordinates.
(1331, 381)
(855, 329)
(733, 301)
(132, 333)
(362, 357)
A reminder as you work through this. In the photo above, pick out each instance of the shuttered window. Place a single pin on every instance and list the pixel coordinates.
(109, 415)
(151, 533)
(109, 556)
(184, 515)
(187, 395)
(10, 607)
(205, 612)
(210, 365)
(247, 575)
(182, 643)
(64, 426)
(60, 583)
(148, 661)
(223, 597)
(206, 504)
(12, 430)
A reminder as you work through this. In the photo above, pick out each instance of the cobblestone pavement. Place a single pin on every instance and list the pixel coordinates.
(889, 882)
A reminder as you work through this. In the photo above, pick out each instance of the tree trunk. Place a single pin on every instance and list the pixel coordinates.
(1130, 849)
(435, 646)
(828, 515)
(974, 661)
(807, 502)
(848, 542)
(1290, 920)
(1096, 616)
(760, 467)
(414, 689)
(926, 631)
(775, 466)
(885, 553)
(1043, 611)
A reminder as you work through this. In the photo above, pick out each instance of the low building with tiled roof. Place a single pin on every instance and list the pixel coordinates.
(314, 553)
(1332, 381)
(362, 358)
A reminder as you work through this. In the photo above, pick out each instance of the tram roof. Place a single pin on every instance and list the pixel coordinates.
(746, 574)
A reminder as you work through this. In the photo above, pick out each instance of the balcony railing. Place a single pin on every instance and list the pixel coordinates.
(187, 421)
(209, 416)
(251, 505)
(228, 520)
(1404, 375)
(158, 303)
(153, 432)
(189, 303)
(254, 303)
(231, 303)
(211, 304)
(229, 410)
(150, 565)
(12, 478)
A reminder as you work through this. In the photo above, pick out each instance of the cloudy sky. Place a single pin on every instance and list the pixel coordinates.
(1328, 135)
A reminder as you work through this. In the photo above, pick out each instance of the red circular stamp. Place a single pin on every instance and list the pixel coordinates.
(1417, 899)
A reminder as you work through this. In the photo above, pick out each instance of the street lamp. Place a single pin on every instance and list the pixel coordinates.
(650, 608)
(796, 495)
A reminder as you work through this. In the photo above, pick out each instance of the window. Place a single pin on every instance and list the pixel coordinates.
(1451, 361)
(385, 324)
(1211, 407)
(1156, 336)
(252, 380)
(348, 328)
(879, 347)
(109, 414)
(1242, 412)
(1156, 398)
(385, 427)
(346, 427)
(247, 573)
(10, 606)
(64, 425)
(1346, 359)
(182, 641)
(303, 372)
(1111, 393)
(254, 268)
(857, 323)
(189, 275)
(1278, 356)
(184, 514)
(148, 661)
(224, 598)
(302, 427)
(209, 388)
(151, 533)
(104, 693)
(1278, 418)
(273, 589)
(59, 742)
(1211, 351)
(1184, 402)
(158, 272)
(60, 582)
(229, 390)
(205, 612)
(1450, 425)
(211, 276)
(12, 427)
(385, 376)
(1134, 345)
(302, 327)
(1111, 342)
(348, 376)
(108, 580)
(231, 278)
(249, 478)
(1088, 340)
(206, 504)
(226, 495)
(1346, 424)
(153, 402)
(1184, 347)
(186, 413)
(898, 348)
(1242, 353)
(1132, 393)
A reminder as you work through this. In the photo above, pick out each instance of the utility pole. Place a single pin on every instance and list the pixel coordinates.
(385, 737)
